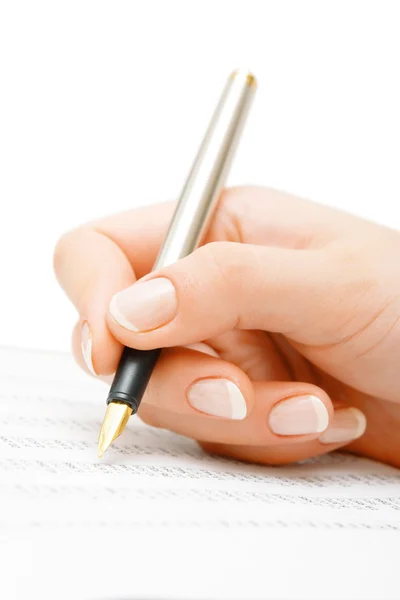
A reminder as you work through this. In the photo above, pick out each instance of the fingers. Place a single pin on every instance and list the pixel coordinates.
(248, 214)
(291, 451)
(251, 215)
(347, 424)
(224, 286)
(213, 401)
(207, 398)
(106, 256)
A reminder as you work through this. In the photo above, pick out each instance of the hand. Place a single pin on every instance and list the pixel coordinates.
(282, 332)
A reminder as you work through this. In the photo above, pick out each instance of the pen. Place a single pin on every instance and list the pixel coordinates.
(186, 231)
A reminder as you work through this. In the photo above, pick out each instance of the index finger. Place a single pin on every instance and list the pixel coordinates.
(101, 258)
(250, 214)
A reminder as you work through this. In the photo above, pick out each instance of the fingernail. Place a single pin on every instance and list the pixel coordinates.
(203, 348)
(145, 306)
(347, 424)
(218, 397)
(298, 416)
(86, 346)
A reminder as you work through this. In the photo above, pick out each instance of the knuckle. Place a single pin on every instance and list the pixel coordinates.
(62, 250)
(230, 261)
(360, 296)
(234, 272)
(218, 254)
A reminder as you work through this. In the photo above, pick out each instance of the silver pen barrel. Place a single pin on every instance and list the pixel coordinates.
(209, 171)
(191, 219)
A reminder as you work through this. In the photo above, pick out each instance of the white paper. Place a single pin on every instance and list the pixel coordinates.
(158, 518)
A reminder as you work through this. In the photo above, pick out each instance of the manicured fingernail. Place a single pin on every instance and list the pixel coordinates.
(217, 397)
(145, 306)
(86, 346)
(202, 347)
(348, 424)
(298, 416)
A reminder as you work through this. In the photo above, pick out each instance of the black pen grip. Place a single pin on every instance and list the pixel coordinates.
(132, 376)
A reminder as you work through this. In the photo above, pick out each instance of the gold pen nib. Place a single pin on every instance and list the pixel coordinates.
(115, 420)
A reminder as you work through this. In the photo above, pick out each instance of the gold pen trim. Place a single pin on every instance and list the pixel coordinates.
(247, 75)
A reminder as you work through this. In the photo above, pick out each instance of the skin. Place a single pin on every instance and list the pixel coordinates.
(294, 297)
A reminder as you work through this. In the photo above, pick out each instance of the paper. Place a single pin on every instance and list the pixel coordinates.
(158, 518)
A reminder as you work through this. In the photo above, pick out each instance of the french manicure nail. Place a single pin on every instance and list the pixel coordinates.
(145, 305)
(86, 346)
(299, 415)
(218, 397)
(203, 348)
(348, 424)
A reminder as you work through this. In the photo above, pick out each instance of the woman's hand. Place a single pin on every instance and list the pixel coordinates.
(282, 332)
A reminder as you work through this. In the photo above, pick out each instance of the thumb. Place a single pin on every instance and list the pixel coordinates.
(223, 286)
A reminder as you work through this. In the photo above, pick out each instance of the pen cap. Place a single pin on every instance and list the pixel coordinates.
(209, 171)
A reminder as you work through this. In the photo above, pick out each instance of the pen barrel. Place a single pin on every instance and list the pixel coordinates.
(132, 376)
(209, 171)
(191, 218)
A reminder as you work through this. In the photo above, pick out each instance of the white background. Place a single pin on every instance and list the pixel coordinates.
(103, 104)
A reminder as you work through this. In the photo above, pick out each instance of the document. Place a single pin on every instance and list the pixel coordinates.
(158, 518)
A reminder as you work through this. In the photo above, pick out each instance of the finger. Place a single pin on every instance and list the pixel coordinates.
(248, 214)
(207, 398)
(224, 286)
(133, 238)
(103, 257)
(91, 268)
(347, 424)
(282, 454)
(251, 215)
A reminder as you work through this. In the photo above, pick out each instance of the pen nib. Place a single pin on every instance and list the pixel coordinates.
(115, 420)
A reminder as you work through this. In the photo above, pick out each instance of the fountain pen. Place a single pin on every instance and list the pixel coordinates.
(187, 228)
